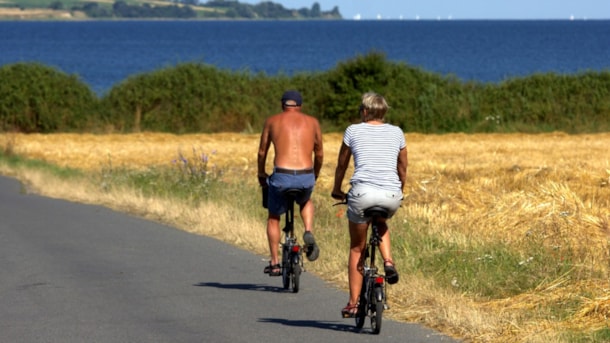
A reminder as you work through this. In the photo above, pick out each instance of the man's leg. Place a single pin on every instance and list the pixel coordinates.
(307, 215)
(273, 236)
(313, 251)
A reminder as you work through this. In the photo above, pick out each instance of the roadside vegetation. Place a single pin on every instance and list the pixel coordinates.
(501, 238)
(195, 97)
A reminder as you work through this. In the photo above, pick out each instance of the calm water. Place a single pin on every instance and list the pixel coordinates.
(103, 53)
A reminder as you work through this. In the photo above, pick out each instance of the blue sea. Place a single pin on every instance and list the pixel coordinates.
(104, 53)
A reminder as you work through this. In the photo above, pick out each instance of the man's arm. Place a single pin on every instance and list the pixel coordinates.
(263, 149)
(318, 150)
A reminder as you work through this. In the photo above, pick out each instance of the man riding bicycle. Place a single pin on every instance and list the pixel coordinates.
(296, 137)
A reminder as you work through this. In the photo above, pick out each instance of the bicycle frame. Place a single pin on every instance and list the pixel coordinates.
(372, 299)
(372, 295)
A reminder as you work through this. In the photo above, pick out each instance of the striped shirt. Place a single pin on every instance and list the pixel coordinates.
(375, 149)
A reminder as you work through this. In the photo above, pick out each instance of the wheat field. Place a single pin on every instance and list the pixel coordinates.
(493, 187)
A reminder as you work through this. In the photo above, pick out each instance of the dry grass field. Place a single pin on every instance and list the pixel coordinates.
(490, 189)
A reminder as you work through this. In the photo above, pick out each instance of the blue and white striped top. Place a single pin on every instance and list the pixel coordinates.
(375, 149)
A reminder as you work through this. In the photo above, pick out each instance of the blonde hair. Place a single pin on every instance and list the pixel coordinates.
(375, 105)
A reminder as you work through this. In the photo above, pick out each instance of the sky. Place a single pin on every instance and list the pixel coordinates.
(458, 9)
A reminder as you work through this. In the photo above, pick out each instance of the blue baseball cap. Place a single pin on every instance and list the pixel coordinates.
(292, 95)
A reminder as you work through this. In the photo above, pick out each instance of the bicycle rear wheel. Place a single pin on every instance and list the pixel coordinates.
(377, 317)
(296, 277)
(285, 270)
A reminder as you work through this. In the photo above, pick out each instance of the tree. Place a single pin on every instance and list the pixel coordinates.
(56, 5)
(335, 12)
(315, 10)
(304, 12)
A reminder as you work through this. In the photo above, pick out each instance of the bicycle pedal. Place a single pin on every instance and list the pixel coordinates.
(386, 306)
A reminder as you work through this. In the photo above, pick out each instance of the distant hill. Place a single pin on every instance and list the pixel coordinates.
(161, 9)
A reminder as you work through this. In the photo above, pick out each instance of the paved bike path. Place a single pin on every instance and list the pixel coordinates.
(72, 272)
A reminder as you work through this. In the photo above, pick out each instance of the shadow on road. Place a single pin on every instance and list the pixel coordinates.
(336, 326)
(242, 286)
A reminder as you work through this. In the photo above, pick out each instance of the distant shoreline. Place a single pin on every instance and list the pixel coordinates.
(14, 14)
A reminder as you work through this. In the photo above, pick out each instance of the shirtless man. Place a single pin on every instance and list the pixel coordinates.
(296, 138)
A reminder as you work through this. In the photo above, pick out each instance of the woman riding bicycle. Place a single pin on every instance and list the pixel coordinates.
(380, 172)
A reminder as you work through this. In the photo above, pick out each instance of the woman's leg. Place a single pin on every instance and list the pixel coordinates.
(357, 233)
(384, 246)
(386, 253)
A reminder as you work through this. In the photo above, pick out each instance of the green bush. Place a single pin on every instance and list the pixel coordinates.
(550, 102)
(195, 97)
(192, 98)
(37, 98)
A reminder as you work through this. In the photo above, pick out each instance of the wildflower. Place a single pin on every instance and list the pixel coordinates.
(454, 282)
(528, 260)
(340, 213)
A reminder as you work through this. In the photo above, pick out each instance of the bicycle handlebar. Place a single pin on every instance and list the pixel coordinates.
(339, 197)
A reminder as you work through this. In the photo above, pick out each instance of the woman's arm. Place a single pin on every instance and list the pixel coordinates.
(403, 162)
(345, 154)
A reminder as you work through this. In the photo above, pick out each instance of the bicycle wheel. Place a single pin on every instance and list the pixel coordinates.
(285, 270)
(363, 305)
(296, 277)
(377, 317)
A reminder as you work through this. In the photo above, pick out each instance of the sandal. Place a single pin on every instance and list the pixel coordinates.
(349, 311)
(273, 270)
(391, 275)
(313, 251)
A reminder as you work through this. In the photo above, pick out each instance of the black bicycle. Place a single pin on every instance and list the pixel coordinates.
(292, 251)
(372, 301)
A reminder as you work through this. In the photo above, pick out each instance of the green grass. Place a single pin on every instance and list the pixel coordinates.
(189, 179)
(480, 269)
(8, 158)
(598, 336)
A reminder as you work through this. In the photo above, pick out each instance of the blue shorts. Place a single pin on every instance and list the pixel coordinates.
(361, 197)
(281, 182)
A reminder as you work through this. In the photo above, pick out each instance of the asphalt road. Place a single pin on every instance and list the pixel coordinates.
(71, 272)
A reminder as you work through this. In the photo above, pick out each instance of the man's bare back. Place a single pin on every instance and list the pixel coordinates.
(296, 137)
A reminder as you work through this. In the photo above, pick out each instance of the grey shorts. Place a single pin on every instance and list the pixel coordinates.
(360, 197)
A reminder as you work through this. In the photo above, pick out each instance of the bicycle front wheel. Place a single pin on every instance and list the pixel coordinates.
(363, 305)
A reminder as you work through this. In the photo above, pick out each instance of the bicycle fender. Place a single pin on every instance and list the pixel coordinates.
(379, 293)
(295, 259)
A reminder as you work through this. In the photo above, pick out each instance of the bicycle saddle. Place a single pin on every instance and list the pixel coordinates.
(293, 192)
(376, 211)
